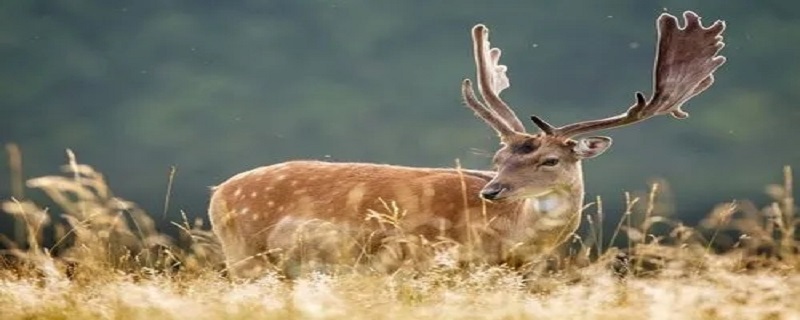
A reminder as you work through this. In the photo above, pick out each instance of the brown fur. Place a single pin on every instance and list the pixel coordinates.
(247, 210)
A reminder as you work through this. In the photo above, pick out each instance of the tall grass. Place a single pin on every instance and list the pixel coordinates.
(109, 260)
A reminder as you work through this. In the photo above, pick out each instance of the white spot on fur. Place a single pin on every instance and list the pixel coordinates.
(405, 195)
(293, 183)
(253, 194)
(238, 192)
(428, 195)
(270, 204)
(281, 177)
(429, 191)
(551, 204)
(355, 196)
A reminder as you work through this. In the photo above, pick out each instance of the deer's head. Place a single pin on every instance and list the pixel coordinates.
(531, 165)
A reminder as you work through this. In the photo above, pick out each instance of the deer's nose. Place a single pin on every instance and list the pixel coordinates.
(492, 191)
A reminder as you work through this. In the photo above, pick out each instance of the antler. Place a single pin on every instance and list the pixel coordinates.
(685, 62)
(492, 80)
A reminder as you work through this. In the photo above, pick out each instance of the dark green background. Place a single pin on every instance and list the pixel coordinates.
(217, 87)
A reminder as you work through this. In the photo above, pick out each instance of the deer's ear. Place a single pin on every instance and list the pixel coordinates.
(591, 147)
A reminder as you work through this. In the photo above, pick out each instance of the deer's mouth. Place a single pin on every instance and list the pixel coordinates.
(494, 194)
(506, 194)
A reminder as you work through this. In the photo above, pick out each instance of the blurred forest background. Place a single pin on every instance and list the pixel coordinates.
(218, 87)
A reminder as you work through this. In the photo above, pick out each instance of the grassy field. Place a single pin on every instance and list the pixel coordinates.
(110, 262)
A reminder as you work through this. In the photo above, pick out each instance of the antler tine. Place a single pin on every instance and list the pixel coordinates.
(547, 128)
(492, 79)
(686, 59)
(489, 116)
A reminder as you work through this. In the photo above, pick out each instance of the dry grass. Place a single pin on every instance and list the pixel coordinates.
(110, 261)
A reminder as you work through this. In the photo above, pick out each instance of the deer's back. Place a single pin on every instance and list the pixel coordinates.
(254, 202)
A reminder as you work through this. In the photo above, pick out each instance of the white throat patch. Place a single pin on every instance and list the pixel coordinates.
(553, 203)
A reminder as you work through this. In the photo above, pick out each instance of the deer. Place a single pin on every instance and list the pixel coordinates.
(528, 204)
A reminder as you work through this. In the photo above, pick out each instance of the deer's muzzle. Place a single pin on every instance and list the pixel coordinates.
(494, 191)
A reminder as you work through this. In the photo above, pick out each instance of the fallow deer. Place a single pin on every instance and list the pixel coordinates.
(529, 204)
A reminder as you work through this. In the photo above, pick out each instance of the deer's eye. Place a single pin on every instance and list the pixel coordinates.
(549, 162)
(524, 148)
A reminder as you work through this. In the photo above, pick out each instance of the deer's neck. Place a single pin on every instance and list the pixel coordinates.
(548, 220)
(565, 201)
